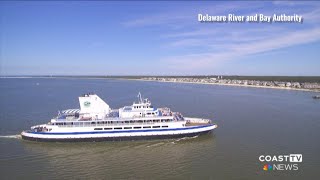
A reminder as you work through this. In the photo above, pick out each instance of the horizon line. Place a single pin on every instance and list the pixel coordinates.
(155, 75)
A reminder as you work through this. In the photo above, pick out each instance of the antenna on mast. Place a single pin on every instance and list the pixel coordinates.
(140, 98)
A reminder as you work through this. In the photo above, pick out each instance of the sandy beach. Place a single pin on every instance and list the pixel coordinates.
(237, 85)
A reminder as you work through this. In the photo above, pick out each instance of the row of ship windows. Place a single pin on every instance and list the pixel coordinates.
(137, 127)
(113, 122)
(137, 107)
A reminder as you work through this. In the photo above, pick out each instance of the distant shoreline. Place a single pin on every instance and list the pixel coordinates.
(139, 79)
(300, 79)
(236, 85)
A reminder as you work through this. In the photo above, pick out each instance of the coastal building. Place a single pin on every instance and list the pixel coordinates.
(218, 80)
(310, 85)
(280, 84)
(296, 85)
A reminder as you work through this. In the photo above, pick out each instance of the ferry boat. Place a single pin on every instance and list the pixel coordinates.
(96, 121)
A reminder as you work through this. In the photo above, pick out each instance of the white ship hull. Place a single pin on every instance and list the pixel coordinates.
(119, 135)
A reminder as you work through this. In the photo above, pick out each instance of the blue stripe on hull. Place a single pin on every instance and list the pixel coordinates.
(127, 138)
(125, 131)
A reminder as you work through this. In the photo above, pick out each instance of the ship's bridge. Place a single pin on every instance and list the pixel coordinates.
(141, 109)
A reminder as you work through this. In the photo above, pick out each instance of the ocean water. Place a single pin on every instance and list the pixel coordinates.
(252, 122)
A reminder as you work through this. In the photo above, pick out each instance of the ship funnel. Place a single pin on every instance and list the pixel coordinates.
(93, 106)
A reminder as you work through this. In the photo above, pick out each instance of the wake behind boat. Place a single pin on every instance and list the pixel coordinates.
(96, 121)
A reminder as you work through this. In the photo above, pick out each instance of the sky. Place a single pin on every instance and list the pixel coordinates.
(156, 38)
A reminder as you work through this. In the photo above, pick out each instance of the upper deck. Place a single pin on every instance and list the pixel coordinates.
(74, 115)
(92, 108)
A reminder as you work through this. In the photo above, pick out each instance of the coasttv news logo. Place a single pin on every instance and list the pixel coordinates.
(281, 162)
(267, 167)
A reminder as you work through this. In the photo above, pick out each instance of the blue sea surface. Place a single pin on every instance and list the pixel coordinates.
(252, 122)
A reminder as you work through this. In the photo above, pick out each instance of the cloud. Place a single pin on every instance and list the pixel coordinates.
(198, 32)
(202, 46)
(208, 60)
(214, 39)
(296, 3)
(280, 41)
(156, 20)
(187, 15)
(187, 42)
